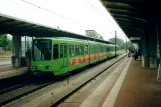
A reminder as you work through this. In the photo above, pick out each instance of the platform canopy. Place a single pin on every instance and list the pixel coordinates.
(133, 16)
(15, 26)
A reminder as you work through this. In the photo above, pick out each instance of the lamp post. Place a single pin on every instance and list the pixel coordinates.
(126, 45)
(115, 42)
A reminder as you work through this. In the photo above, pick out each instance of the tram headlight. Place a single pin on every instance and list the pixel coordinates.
(34, 67)
(48, 67)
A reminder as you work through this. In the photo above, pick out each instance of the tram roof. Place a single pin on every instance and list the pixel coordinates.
(72, 39)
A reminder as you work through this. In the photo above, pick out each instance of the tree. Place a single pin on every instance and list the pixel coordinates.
(9, 46)
(119, 42)
(93, 34)
(101, 38)
(4, 41)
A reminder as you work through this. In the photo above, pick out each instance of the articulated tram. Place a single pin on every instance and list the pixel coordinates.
(60, 55)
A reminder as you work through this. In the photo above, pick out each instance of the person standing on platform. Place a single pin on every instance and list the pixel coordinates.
(28, 55)
(135, 55)
(129, 52)
(139, 54)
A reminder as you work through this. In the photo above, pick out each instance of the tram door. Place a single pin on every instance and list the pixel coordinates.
(63, 55)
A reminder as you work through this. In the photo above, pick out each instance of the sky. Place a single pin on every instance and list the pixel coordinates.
(70, 15)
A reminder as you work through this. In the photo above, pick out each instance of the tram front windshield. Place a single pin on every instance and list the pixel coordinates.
(41, 49)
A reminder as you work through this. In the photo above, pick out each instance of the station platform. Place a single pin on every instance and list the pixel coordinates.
(5, 63)
(140, 88)
(7, 71)
(135, 87)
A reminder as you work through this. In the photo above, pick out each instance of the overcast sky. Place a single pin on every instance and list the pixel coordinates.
(70, 15)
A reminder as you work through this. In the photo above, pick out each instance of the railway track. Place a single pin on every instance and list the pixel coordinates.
(52, 93)
(8, 89)
(15, 82)
(24, 89)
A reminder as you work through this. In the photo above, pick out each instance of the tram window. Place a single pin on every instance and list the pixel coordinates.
(61, 51)
(103, 49)
(107, 49)
(81, 49)
(100, 48)
(77, 50)
(94, 49)
(86, 49)
(55, 51)
(97, 49)
(91, 49)
(65, 50)
(71, 50)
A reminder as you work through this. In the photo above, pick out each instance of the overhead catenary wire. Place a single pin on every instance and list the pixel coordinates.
(46, 10)
(62, 15)
(50, 11)
(104, 15)
(100, 12)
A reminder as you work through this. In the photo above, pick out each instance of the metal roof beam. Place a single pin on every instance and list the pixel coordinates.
(126, 1)
(128, 17)
(123, 11)
(117, 5)
(128, 27)
(139, 16)
(133, 25)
